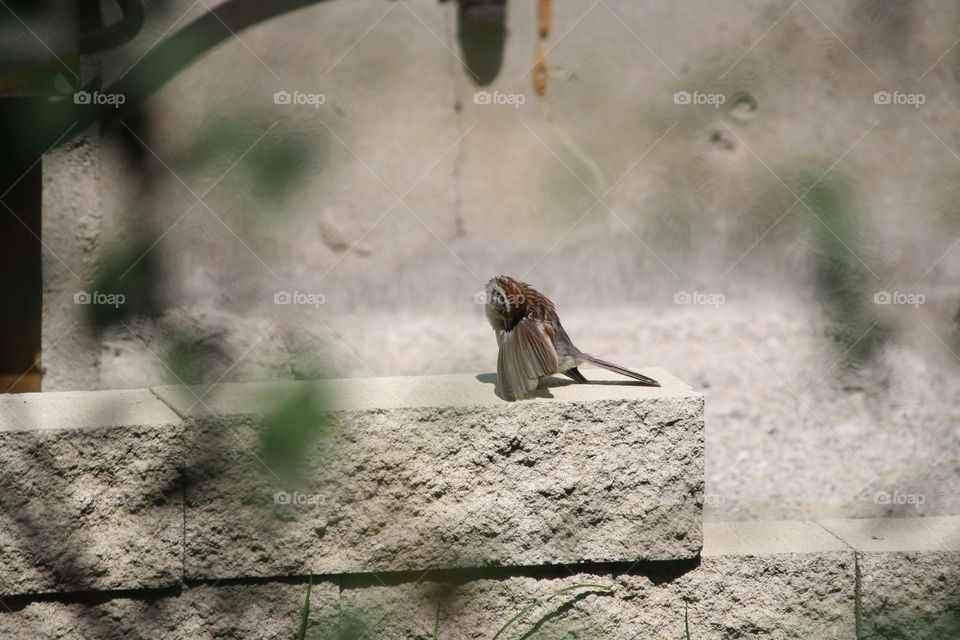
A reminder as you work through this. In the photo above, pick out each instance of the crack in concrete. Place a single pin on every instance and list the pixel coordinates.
(857, 586)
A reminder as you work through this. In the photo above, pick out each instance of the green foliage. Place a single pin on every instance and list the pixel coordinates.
(278, 166)
(126, 285)
(352, 629)
(844, 283)
(265, 163)
(291, 430)
(305, 616)
(196, 359)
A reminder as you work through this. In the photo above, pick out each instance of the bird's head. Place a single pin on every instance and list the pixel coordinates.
(505, 303)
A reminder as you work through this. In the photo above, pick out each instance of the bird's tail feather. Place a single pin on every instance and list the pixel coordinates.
(609, 366)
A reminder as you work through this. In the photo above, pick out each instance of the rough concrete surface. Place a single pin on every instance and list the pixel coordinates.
(590, 478)
(909, 575)
(756, 579)
(263, 611)
(72, 216)
(910, 594)
(90, 492)
(803, 596)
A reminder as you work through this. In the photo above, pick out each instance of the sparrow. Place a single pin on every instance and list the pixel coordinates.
(532, 342)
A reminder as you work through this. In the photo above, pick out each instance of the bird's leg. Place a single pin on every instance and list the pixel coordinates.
(575, 375)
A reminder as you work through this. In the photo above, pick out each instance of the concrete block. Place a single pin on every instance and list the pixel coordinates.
(909, 571)
(90, 496)
(765, 538)
(787, 587)
(891, 535)
(73, 229)
(264, 611)
(438, 472)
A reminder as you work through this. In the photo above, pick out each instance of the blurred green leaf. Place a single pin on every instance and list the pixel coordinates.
(290, 431)
(353, 629)
(277, 167)
(126, 285)
(196, 359)
(269, 164)
(845, 287)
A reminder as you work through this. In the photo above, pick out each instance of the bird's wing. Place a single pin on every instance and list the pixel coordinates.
(526, 354)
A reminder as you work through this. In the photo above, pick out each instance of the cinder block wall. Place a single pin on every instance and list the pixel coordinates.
(432, 508)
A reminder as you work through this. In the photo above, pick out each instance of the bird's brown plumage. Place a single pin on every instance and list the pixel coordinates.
(532, 342)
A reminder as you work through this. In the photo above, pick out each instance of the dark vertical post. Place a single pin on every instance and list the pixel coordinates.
(21, 281)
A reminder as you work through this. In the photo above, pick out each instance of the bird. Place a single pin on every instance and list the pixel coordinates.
(532, 342)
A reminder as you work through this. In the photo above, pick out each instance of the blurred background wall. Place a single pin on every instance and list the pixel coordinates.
(759, 196)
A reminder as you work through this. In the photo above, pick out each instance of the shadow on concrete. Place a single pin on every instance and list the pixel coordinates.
(551, 382)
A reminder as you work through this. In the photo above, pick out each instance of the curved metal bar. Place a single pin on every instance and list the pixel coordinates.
(116, 34)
